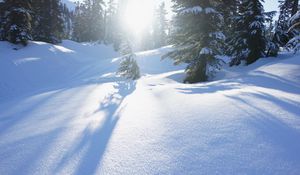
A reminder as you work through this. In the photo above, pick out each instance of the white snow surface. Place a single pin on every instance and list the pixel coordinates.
(63, 111)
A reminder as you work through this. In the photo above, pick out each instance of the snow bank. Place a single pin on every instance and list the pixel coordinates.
(87, 121)
(41, 65)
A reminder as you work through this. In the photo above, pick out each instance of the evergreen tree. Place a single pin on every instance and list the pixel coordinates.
(129, 68)
(48, 21)
(1, 20)
(282, 34)
(229, 10)
(17, 21)
(249, 43)
(160, 27)
(79, 23)
(67, 16)
(111, 22)
(294, 43)
(89, 21)
(197, 37)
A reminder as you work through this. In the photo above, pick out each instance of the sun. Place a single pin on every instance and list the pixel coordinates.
(138, 15)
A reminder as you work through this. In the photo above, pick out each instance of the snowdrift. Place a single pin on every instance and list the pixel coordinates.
(64, 111)
(42, 66)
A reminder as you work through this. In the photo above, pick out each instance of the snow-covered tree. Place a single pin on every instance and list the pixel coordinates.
(229, 10)
(282, 34)
(197, 37)
(128, 68)
(17, 21)
(249, 43)
(294, 43)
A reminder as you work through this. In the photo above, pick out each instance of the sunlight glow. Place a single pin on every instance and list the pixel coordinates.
(138, 15)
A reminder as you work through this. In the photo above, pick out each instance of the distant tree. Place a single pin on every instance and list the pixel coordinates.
(67, 17)
(111, 22)
(89, 21)
(197, 37)
(160, 26)
(269, 33)
(249, 43)
(17, 21)
(129, 68)
(48, 21)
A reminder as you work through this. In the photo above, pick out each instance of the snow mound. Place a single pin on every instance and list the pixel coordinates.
(72, 115)
(41, 65)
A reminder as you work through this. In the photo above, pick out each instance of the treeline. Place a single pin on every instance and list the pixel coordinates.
(206, 29)
(42, 20)
(91, 21)
(200, 30)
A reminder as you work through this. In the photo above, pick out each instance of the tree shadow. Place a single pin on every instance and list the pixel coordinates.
(255, 78)
(93, 142)
(210, 87)
(274, 130)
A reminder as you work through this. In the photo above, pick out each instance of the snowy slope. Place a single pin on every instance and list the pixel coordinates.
(45, 66)
(245, 122)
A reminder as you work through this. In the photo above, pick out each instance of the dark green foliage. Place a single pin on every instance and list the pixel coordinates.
(48, 21)
(197, 38)
(282, 33)
(249, 43)
(229, 10)
(89, 21)
(17, 21)
(129, 68)
(1, 21)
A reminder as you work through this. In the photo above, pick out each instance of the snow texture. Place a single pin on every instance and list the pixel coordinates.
(193, 10)
(64, 111)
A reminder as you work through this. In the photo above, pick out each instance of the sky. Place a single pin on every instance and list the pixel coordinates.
(270, 5)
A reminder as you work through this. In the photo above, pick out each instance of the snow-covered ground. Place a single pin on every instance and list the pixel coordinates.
(63, 111)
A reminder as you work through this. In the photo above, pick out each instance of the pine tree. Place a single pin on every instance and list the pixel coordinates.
(79, 23)
(160, 27)
(129, 68)
(1, 20)
(48, 21)
(294, 43)
(67, 21)
(111, 22)
(97, 20)
(282, 34)
(197, 38)
(89, 21)
(250, 43)
(229, 10)
(17, 21)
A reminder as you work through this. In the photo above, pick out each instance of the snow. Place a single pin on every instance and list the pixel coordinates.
(64, 111)
(193, 10)
(205, 51)
(210, 10)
